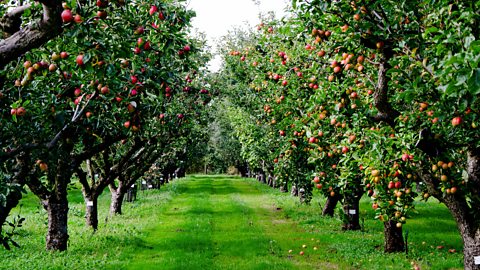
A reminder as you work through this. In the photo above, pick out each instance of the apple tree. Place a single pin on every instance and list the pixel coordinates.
(112, 65)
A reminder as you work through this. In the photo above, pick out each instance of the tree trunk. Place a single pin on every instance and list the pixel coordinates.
(132, 193)
(116, 202)
(465, 213)
(294, 191)
(330, 205)
(393, 237)
(471, 251)
(92, 211)
(351, 209)
(270, 180)
(57, 235)
(284, 187)
(243, 169)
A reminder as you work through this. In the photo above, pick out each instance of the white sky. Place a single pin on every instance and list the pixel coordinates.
(216, 17)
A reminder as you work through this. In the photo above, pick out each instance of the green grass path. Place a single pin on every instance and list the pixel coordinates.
(218, 223)
(222, 222)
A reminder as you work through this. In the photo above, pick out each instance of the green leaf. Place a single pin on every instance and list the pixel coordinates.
(474, 82)
(431, 30)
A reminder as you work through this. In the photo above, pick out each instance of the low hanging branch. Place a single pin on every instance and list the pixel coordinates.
(20, 41)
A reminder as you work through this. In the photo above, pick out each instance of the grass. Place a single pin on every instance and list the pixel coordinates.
(220, 222)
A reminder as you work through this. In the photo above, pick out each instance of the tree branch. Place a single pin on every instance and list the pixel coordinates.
(34, 35)
(10, 23)
(385, 110)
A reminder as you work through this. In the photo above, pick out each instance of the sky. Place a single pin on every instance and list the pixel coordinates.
(216, 17)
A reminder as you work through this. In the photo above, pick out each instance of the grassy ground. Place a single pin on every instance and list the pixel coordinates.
(229, 223)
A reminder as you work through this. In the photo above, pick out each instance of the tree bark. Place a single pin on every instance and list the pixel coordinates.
(34, 34)
(330, 205)
(294, 191)
(284, 187)
(262, 177)
(471, 250)
(393, 237)
(91, 211)
(351, 209)
(57, 235)
(270, 180)
(117, 200)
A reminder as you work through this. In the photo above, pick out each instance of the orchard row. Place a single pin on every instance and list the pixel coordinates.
(116, 90)
(354, 98)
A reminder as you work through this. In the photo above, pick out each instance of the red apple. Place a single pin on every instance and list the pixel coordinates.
(104, 90)
(147, 46)
(102, 14)
(77, 19)
(139, 31)
(21, 111)
(134, 79)
(456, 121)
(80, 60)
(43, 166)
(126, 124)
(101, 3)
(161, 16)
(391, 185)
(67, 16)
(152, 10)
(63, 55)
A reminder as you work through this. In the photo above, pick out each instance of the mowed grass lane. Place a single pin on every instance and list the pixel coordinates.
(219, 223)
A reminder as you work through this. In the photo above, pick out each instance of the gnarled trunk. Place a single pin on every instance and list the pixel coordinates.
(330, 205)
(393, 237)
(465, 213)
(57, 234)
